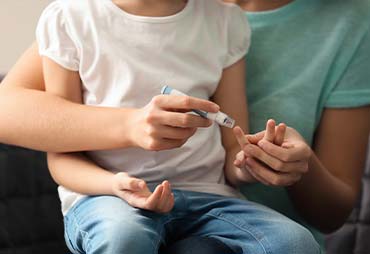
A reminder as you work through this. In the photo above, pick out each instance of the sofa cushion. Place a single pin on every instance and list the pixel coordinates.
(30, 217)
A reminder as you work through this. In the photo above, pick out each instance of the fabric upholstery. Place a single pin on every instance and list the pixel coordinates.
(30, 218)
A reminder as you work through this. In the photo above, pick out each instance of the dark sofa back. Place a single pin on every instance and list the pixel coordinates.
(30, 217)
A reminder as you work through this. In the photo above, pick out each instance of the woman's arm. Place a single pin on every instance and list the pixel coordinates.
(78, 173)
(37, 120)
(34, 119)
(324, 182)
(327, 193)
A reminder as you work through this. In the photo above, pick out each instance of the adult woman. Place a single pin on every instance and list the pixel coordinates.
(307, 67)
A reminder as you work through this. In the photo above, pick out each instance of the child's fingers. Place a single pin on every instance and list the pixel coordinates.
(270, 131)
(154, 199)
(240, 160)
(135, 199)
(168, 200)
(280, 134)
(240, 136)
(166, 193)
(125, 182)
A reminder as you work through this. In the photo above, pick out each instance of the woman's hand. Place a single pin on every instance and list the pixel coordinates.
(136, 193)
(277, 159)
(163, 123)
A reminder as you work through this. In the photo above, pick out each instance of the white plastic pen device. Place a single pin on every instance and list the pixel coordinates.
(219, 117)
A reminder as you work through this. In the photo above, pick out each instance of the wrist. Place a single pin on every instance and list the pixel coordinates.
(121, 134)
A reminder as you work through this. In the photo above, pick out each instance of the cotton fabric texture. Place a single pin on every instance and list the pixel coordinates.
(124, 60)
(305, 57)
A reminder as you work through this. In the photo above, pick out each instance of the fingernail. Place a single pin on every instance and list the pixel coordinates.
(261, 143)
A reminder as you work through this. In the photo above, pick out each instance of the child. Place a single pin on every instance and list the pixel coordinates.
(118, 54)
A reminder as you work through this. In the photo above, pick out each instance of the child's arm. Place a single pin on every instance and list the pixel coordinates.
(77, 173)
(231, 97)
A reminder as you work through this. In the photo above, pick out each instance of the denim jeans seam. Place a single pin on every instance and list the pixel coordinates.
(163, 228)
(83, 232)
(68, 239)
(265, 248)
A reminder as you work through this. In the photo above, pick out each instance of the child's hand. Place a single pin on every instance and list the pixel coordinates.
(136, 193)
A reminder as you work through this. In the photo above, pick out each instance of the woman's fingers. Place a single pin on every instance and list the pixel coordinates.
(274, 162)
(184, 103)
(169, 132)
(255, 138)
(268, 177)
(287, 153)
(270, 131)
(181, 120)
(280, 134)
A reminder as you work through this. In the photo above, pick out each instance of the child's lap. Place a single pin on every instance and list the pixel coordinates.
(231, 220)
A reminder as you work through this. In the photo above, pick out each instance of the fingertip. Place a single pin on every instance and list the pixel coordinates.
(216, 107)
(261, 143)
(271, 121)
(282, 125)
(159, 188)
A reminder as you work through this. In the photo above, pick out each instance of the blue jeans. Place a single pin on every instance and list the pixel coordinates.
(107, 224)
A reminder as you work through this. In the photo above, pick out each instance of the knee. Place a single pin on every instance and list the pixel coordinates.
(123, 236)
(295, 238)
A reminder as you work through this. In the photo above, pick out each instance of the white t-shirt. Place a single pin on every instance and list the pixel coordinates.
(124, 60)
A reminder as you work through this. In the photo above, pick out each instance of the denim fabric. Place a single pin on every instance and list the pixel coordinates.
(107, 224)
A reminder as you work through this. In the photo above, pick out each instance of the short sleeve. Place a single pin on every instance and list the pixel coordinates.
(239, 35)
(353, 87)
(54, 38)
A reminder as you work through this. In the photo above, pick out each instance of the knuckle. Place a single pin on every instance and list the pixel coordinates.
(130, 182)
(150, 206)
(279, 166)
(186, 120)
(305, 168)
(308, 152)
(286, 157)
(276, 181)
(153, 145)
(151, 115)
(151, 131)
(186, 101)
(156, 100)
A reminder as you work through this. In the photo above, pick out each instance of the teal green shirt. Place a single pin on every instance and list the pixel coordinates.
(306, 56)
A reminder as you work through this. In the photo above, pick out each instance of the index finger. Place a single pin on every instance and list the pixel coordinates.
(187, 103)
(240, 136)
